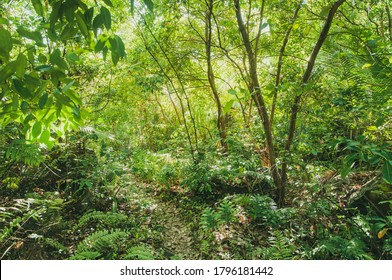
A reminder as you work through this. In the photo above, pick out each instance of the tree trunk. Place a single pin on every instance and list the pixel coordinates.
(305, 78)
(221, 124)
(254, 88)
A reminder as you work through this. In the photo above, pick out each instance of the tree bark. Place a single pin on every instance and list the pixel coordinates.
(305, 78)
(280, 63)
(221, 124)
(254, 88)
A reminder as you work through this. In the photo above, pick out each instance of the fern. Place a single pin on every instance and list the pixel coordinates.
(337, 247)
(280, 248)
(104, 242)
(50, 242)
(139, 253)
(259, 206)
(17, 220)
(20, 151)
(209, 219)
(227, 211)
(103, 220)
(86, 255)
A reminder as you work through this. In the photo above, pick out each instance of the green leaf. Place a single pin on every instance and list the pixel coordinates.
(38, 7)
(21, 89)
(120, 46)
(42, 101)
(44, 68)
(56, 59)
(72, 58)
(24, 106)
(32, 35)
(82, 25)
(348, 165)
(5, 43)
(7, 71)
(45, 137)
(107, 17)
(88, 16)
(228, 106)
(21, 64)
(81, 4)
(68, 32)
(76, 112)
(108, 2)
(149, 4)
(97, 23)
(115, 58)
(54, 15)
(68, 86)
(232, 91)
(387, 172)
(100, 44)
(36, 130)
(372, 128)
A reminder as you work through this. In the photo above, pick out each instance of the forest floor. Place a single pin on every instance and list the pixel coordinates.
(166, 225)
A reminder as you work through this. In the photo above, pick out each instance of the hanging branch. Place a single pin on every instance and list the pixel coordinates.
(179, 80)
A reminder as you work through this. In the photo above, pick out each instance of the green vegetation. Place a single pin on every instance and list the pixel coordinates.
(223, 129)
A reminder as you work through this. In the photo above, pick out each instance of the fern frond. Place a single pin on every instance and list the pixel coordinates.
(280, 248)
(102, 241)
(209, 219)
(227, 211)
(102, 220)
(139, 253)
(86, 255)
(21, 151)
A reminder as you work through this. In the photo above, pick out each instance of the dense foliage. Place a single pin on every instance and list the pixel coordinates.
(223, 129)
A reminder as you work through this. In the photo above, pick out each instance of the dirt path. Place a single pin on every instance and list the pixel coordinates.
(175, 233)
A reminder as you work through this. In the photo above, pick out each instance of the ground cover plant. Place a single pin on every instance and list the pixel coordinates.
(223, 129)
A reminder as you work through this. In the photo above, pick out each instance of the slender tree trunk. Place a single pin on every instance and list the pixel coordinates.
(254, 88)
(221, 124)
(305, 78)
(178, 76)
(192, 150)
(280, 64)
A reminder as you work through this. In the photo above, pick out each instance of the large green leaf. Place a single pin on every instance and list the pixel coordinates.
(88, 16)
(45, 137)
(100, 44)
(68, 32)
(82, 25)
(7, 71)
(56, 59)
(228, 106)
(72, 57)
(21, 64)
(21, 88)
(5, 43)
(32, 35)
(54, 15)
(42, 101)
(149, 4)
(38, 7)
(97, 23)
(348, 165)
(387, 172)
(108, 2)
(36, 129)
(107, 17)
